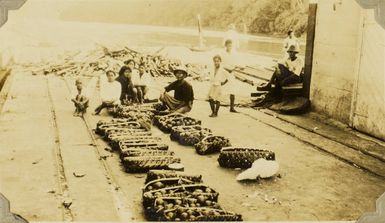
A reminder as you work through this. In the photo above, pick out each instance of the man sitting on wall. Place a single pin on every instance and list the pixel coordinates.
(288, 71)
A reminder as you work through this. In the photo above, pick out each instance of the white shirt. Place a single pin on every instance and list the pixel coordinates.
(294, 66)
(144, 80)
(110, 91)
(290, 42)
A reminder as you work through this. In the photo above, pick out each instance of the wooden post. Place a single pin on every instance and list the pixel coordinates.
(311, 23)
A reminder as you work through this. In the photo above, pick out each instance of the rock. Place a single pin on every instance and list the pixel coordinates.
(37, 161)
(78, 174)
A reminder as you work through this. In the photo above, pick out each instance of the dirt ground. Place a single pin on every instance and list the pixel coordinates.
(45, 150)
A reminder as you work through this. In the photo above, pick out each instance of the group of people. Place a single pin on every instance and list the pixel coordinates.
(131, 86)
(133, 82)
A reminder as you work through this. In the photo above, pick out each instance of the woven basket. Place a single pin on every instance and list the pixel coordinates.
(141, 164)
(233, 157)
(157, 146)
(200, 214)
(158, 174)
(211, 144)
(145, 152)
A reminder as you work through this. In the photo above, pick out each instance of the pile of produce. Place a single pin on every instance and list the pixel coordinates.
(138, 149)
(173, 196)
(167, 122)
(189, 135)
(233, 157)
(211, 144)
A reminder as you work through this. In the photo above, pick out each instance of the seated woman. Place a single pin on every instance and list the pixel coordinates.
(141, 80)
(127, 95)
(110, 91)
(183, 93)
(287, 72)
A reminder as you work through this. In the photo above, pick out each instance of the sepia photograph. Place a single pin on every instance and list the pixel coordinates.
(192, 110)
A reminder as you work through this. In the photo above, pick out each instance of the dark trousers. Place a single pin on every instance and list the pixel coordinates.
(283, 77)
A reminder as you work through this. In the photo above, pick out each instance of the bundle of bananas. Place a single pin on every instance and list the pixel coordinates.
(158, 174)
(211, 144)
(135, 112)
(182, 198)
(193, 137)
(140, 164)
(233, 157)
(177, 130)
(163, 118)
(167, 124)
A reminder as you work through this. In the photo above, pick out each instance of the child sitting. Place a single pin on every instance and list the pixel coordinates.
(80, 100)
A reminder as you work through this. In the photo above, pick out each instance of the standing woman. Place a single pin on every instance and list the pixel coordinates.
(218, 78)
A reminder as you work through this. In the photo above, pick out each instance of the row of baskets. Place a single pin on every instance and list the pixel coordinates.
(139, 150)
(188, 131)
(177, 196)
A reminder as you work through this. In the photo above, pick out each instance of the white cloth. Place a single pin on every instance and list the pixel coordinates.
(221, 76)
(110, 91)
(144, 80)
(230, 61)
(290, 42)
(294, 66)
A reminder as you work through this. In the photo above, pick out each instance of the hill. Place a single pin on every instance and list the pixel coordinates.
(273, 17)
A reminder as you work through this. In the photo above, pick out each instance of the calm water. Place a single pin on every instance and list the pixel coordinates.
(272, 49)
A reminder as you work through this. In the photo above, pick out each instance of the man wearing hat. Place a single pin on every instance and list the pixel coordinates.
(183, 93)
(287, 72)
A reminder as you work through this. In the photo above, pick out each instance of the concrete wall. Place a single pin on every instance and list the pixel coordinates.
(335, 50)
(368, 110)
(348, 66)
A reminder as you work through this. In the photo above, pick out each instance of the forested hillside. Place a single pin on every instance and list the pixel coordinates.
(273, 17)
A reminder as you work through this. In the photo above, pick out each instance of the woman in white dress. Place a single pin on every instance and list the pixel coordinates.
(218, 78)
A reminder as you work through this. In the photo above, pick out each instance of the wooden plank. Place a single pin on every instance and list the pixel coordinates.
(309, 48)
(259, 77)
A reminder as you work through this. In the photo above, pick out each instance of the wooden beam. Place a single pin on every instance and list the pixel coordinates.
(311, 25)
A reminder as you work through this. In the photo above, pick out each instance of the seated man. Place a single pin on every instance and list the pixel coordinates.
(110, 91)
(80, 99)
(141, 81)
(287, 72)
(183, 93)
